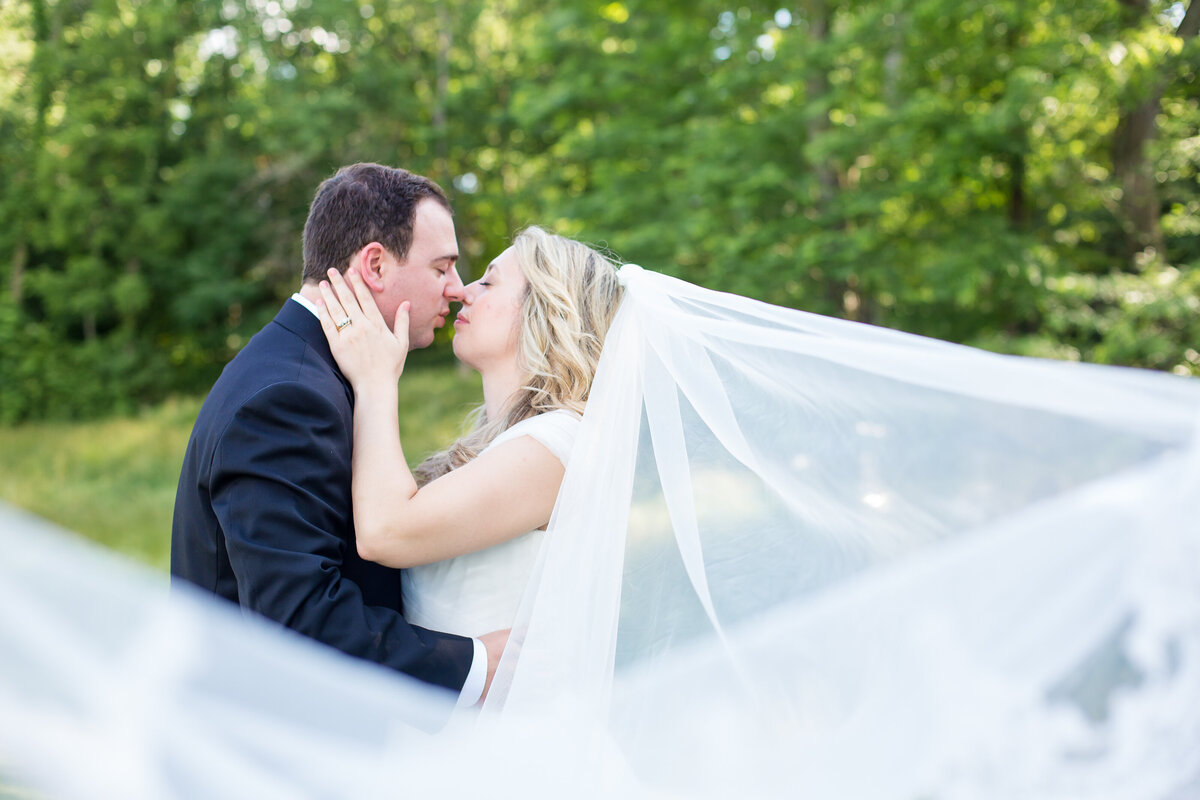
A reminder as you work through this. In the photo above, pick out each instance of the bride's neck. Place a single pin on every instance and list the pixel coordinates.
(500, 386)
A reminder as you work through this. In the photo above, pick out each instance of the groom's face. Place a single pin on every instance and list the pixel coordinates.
(427, 277)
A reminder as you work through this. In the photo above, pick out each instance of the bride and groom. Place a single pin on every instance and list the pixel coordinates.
(295, 499)
(787, 555)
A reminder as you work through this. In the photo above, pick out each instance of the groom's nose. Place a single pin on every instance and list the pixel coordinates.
(454, 286)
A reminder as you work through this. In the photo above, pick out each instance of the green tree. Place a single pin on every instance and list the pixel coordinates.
(1020, 175)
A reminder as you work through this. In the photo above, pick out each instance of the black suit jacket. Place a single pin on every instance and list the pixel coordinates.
(263, 514)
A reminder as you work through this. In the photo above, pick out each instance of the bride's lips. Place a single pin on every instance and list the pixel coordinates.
(460, 320)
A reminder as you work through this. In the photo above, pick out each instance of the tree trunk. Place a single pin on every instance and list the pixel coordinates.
(26, 177)
(817, 87)
(1139, 193)
(839, 289)
(1018, 133)
(441, 93)
(893, 64)
(1018, 213)
(1140, 207)
(16, 281)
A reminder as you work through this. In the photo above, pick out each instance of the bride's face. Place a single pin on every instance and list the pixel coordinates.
(485, 332)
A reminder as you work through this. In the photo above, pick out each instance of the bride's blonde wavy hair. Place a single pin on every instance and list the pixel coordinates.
(570, 299)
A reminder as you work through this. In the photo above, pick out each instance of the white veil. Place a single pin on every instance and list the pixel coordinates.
(792, 556)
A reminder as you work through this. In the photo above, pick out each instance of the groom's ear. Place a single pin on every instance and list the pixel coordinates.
(369, 264)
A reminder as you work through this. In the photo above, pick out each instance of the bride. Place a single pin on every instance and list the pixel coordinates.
(468, 525)
(784, 556)
(794, 537)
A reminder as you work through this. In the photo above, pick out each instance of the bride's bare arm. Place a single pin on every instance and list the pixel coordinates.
(503, 493)
(507, 491)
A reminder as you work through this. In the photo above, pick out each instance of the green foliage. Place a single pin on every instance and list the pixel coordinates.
(114, 481)
(1150, 318)
(967, 170)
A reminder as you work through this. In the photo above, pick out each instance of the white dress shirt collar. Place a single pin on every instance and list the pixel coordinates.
(304, 301)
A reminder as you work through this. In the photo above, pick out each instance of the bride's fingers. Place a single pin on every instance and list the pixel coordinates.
(332, 305)
(345, 296)
(362, 293)
(327, 324)
(400, 329)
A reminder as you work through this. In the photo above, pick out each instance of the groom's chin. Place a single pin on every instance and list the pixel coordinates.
(418, 340)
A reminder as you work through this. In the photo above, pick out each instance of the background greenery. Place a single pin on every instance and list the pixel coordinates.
(1017, 174)
(114, 480)
(1022, 175)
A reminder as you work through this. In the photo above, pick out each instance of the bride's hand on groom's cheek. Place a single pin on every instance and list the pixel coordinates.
(358, 336)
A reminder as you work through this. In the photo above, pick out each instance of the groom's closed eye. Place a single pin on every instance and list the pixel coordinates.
(445, 263)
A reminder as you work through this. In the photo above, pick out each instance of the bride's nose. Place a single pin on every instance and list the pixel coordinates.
(469, 292)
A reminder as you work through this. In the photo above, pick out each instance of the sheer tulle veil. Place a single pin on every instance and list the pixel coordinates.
(792, 556)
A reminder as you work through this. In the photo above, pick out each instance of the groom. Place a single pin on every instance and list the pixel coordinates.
(263, 512)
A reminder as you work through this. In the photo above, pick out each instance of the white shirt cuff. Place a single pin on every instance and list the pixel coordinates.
(472, 688)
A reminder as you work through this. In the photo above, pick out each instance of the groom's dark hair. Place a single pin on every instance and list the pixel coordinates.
(360, 204)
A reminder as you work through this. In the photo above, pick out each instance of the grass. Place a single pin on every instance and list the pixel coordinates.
(10, 790)
(114, 480)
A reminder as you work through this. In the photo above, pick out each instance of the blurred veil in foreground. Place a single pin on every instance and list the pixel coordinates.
(792, 556)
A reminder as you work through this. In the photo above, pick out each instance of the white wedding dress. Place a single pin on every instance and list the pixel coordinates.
(792, 556)
(479, 592)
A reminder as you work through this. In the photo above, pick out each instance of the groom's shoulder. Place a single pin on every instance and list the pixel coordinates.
(290, 344)
(276, 356)
(274, 353)
(273, 344)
